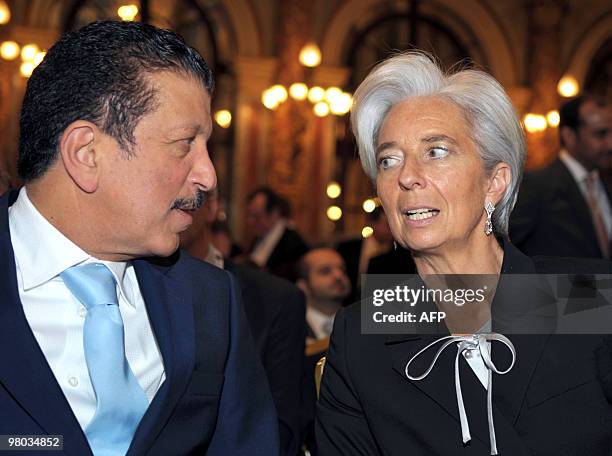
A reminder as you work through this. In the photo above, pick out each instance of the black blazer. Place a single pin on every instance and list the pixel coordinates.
(554, 401)
(215, 399)
(283, 259)
(350, 251)
(276, 312)
(551, 217)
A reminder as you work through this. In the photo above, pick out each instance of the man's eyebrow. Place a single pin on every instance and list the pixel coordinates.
(438, 138)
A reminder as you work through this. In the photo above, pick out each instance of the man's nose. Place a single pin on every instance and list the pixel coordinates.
(203, 173)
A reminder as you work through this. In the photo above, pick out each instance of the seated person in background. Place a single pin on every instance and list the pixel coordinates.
(5, 181)
(277, 247)
(222, 239)
(322, 277)
(111, 336)
(564, 209)
(358, 252)
(275, 312)
(446, 153)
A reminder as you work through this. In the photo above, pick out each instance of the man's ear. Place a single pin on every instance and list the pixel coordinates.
(569, 138)
(301, 284)
(500, 180)
(78, 154)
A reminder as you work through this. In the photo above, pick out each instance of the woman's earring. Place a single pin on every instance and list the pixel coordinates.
(489, 224)
(394, 245)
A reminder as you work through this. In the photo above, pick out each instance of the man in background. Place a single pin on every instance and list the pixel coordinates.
(322, 277)
(109, 336)
(564, 209)
(357, 253)
(275, 311)
(277, 247)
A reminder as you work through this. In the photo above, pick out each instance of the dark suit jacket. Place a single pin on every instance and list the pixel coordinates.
(283, 259)
(552, 402)
(350, 251)
(551, 217)
(276, 312)
(215, 399)
(397, 261)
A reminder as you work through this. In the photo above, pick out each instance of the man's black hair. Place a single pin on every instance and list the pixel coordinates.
(273, 201)
(569, 114)
(99, 74)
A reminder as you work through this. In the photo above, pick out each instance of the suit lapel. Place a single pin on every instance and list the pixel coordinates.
(24, 371)
(570, 192)
(170, 309)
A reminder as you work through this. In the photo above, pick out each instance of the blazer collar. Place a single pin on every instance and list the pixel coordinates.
(170, 308)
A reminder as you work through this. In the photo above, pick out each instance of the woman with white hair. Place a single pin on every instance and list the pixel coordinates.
(446, 153)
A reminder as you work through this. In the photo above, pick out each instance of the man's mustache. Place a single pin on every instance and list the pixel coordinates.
(190, 204)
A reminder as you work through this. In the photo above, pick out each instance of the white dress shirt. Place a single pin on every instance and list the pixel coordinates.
(580, 175)
(57, 317)
(267, 244)
(320, 323)
(475, 361)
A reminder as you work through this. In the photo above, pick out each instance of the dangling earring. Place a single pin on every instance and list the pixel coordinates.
(489, 207)
(394, 245)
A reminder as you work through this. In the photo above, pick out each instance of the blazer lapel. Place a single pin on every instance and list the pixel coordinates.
(571, 194)
(24, 371)
(170, 309)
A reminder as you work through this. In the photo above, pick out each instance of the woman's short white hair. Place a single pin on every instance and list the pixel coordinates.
(493, 123)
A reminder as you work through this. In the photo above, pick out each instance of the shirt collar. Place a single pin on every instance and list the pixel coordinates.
(578, 172)
(214, 256)
(43, 252)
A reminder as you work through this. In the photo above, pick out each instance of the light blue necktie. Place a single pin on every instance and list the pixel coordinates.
(121, 402)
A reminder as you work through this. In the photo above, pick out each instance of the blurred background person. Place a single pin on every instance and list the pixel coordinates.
(275, 311)
(323, 279)
(564, 209)
(276, 246)
(446, 153)
(5, 181)
(358, 252)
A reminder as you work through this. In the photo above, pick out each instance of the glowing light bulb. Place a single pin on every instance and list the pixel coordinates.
(223, 118)
(369, 205)
(310, 55)
(568, 86)
(334, 213)
(333, 190)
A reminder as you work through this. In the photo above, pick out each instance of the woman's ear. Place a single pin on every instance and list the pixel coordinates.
(78, 154)
(499, 181)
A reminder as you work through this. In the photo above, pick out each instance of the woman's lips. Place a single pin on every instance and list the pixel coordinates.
(421, 215)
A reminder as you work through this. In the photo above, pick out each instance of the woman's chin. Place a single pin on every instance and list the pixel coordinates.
(422, 244)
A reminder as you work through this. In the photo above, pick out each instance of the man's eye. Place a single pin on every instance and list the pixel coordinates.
(437, 152)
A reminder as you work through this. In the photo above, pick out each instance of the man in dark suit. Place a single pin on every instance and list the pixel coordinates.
(322, 277)
(275, 311)
(111, 337)
(564, 209)
(277, 247)
(357, 253)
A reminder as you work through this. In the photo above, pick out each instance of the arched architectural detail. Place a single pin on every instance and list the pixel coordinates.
(490, 36)
(245, 27)
(594, 38)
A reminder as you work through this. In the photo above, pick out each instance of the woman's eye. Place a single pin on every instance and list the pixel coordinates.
(437, 152)
(387, 162)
